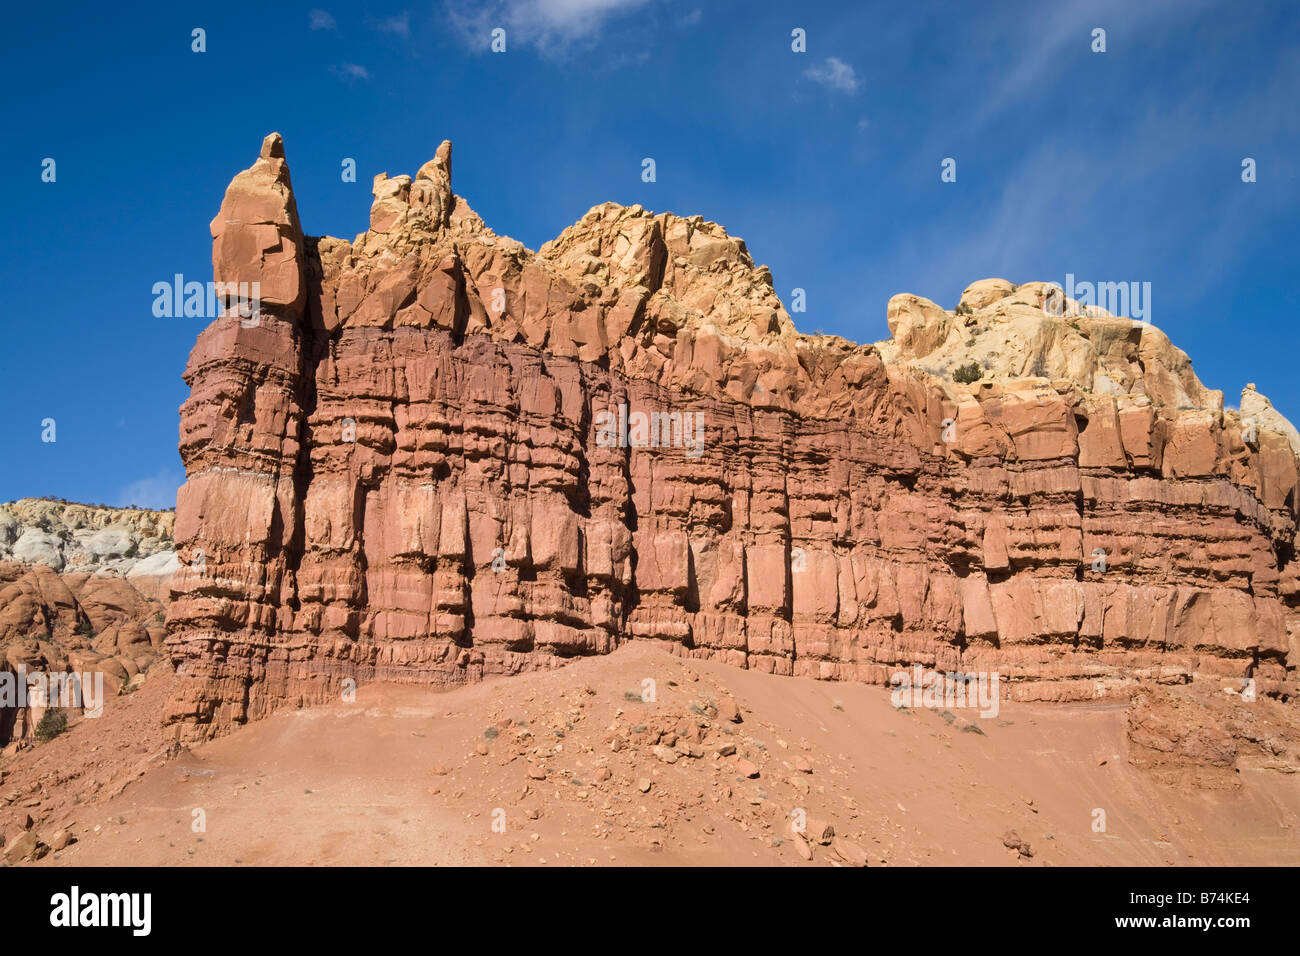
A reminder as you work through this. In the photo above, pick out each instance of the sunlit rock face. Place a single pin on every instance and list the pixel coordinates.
(435, 455)
(83, 591)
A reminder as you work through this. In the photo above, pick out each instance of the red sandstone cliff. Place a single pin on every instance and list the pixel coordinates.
(400, 471)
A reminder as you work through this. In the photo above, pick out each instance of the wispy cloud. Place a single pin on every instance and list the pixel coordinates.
(835, 74)
(1064, 205)
(321, 20)
(550, 26)
(1055, 183)
(351, 71)
(156, 491)
(1065, 26)
(399, 25)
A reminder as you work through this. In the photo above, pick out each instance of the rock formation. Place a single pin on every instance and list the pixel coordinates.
(63, 535)
(83, 589)
(436, 455)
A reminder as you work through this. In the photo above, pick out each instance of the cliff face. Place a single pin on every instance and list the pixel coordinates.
(425, 460)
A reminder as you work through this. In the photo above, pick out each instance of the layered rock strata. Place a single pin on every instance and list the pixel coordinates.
(436, 455)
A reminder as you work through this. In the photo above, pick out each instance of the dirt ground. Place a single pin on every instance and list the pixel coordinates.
(574, 768)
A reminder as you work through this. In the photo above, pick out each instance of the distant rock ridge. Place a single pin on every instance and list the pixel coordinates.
(397, 472)
(83, 588)
(66, 535)
(1021, 331)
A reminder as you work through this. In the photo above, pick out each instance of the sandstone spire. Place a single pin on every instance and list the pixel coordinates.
(237, 514)
(256, 236)
(425, 204)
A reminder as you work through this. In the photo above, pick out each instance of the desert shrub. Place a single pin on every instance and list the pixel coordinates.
(52, 723)
(970, 372)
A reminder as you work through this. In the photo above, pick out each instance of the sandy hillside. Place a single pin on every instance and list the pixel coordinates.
(568, 762)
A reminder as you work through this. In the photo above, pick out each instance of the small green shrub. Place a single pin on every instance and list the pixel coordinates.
(970, 372)
(52, 723)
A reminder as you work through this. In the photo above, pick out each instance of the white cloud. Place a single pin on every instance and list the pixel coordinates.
(548, 25)
(835, 74)
(321, 20)
(157, 491)
(399, 25)
(351, 71)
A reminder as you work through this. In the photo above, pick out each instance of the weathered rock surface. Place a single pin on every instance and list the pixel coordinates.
(1031, 331)
(64, 535)
(83, 589)
(1195, 738)
(403, 471)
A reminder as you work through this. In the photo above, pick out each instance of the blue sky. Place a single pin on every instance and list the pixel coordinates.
(1115, 166)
